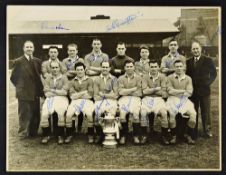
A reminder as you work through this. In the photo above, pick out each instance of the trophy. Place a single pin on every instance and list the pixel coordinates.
(110, 125)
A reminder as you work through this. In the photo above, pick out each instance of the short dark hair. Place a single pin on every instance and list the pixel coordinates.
(128, 62)
(143, 46)
(53, 47)
(177, 61)
(173, 39)
(72, 45)
(152, 61)
(96, 39)
(106, 62)
(121, 43)
(80, 64)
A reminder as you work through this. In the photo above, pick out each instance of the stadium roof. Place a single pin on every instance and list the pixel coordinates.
(103, 26)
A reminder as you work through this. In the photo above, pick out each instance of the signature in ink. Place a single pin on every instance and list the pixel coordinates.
(183, 100)
(150, 102)
(99, 106)
(118, 23)
(50, 103)
(70, 65)
(126, 107)
(45, 25)
(169, 63)
(81, 106)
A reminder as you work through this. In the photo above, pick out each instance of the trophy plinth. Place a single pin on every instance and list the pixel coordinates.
(109, 130)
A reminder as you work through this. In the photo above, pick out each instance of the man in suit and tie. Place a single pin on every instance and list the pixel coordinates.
(26, 71)
(203, 72)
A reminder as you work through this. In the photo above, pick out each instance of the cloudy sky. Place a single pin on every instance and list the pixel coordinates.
(29, 13)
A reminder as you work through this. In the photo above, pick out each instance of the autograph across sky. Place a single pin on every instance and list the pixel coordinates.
(45, 25)
(118, 23)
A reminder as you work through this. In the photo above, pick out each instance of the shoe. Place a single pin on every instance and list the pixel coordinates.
(97, 139)
(90, 139)
(190, 141)
(45, 140)
(68, 139)
(136, 140)
(143, 140)
(173, 140)
(122, 141)
(209, 134)
(165, 140)
(60, 140)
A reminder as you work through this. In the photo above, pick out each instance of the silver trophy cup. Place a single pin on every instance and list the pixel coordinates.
(110, 125)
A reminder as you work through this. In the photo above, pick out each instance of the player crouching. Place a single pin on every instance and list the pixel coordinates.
(154, 89)
(179, 89)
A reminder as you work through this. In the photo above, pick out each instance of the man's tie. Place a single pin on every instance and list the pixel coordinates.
(195, 61)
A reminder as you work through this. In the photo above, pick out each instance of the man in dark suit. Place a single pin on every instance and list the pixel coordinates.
(26, 78)
(203, 72)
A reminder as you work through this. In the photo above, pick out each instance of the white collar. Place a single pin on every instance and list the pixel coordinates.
(144, 61)
(56, 78)
(109, 76)
(173, 56)
(84, 78)
(197, 58)
(154, 78)
(54, 60)
(96, 53)
(134, 75)
(28, 57)
(180, 78)
(73, 59)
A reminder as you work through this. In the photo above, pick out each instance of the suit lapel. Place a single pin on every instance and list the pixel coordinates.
(36, 66)
(199, 63)
(26, 66)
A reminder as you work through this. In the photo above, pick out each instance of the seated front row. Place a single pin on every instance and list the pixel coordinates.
(154, 87)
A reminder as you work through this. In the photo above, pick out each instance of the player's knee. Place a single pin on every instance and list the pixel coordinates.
(192, 121)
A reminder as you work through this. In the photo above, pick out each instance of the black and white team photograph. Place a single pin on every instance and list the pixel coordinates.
(113, 88)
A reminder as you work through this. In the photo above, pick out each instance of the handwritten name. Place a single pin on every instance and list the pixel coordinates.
(169, 63)
(150, 102)
(126, 107)
(97, 109)
(45, 25)
(70, 65)
(79, 108)
(183, 100)
(50, 101)
(118, 23)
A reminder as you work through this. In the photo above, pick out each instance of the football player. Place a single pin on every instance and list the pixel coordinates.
(81, 92)
(56, 102)
(130, 101)
(154, 90)
(105, 95)
(179, 88)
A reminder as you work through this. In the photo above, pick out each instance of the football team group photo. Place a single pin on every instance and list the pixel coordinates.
(114, 94)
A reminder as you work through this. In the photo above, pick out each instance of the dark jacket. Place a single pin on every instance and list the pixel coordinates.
(118, 62)
(203, 74)
(26, 78)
